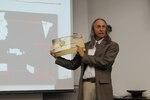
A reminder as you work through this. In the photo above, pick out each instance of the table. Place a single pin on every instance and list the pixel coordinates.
(131, 98)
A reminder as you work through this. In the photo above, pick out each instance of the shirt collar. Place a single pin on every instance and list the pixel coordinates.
(99, 41)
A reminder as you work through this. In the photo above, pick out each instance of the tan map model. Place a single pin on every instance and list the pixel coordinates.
(67, 45)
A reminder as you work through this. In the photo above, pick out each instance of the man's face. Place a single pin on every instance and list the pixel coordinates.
(100, 29)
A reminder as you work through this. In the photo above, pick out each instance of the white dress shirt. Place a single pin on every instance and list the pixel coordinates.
(90, 71)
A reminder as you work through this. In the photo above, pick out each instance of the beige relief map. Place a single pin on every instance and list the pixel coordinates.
(67, 45)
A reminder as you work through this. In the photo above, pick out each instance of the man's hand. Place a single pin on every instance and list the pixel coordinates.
(53, 54)
(80, 50)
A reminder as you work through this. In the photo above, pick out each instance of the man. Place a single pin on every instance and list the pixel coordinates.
(96, 63)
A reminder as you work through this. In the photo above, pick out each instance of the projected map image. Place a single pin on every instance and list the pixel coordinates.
(25, 42)
(27, 28)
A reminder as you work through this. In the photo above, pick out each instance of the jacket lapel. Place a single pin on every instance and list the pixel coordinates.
(99, 48)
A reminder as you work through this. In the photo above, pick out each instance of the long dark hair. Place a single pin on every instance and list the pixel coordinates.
(92, 34)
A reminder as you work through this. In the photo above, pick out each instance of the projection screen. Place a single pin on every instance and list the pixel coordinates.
(27, 28)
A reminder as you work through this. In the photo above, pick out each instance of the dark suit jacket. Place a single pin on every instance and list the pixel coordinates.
(103, 60)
